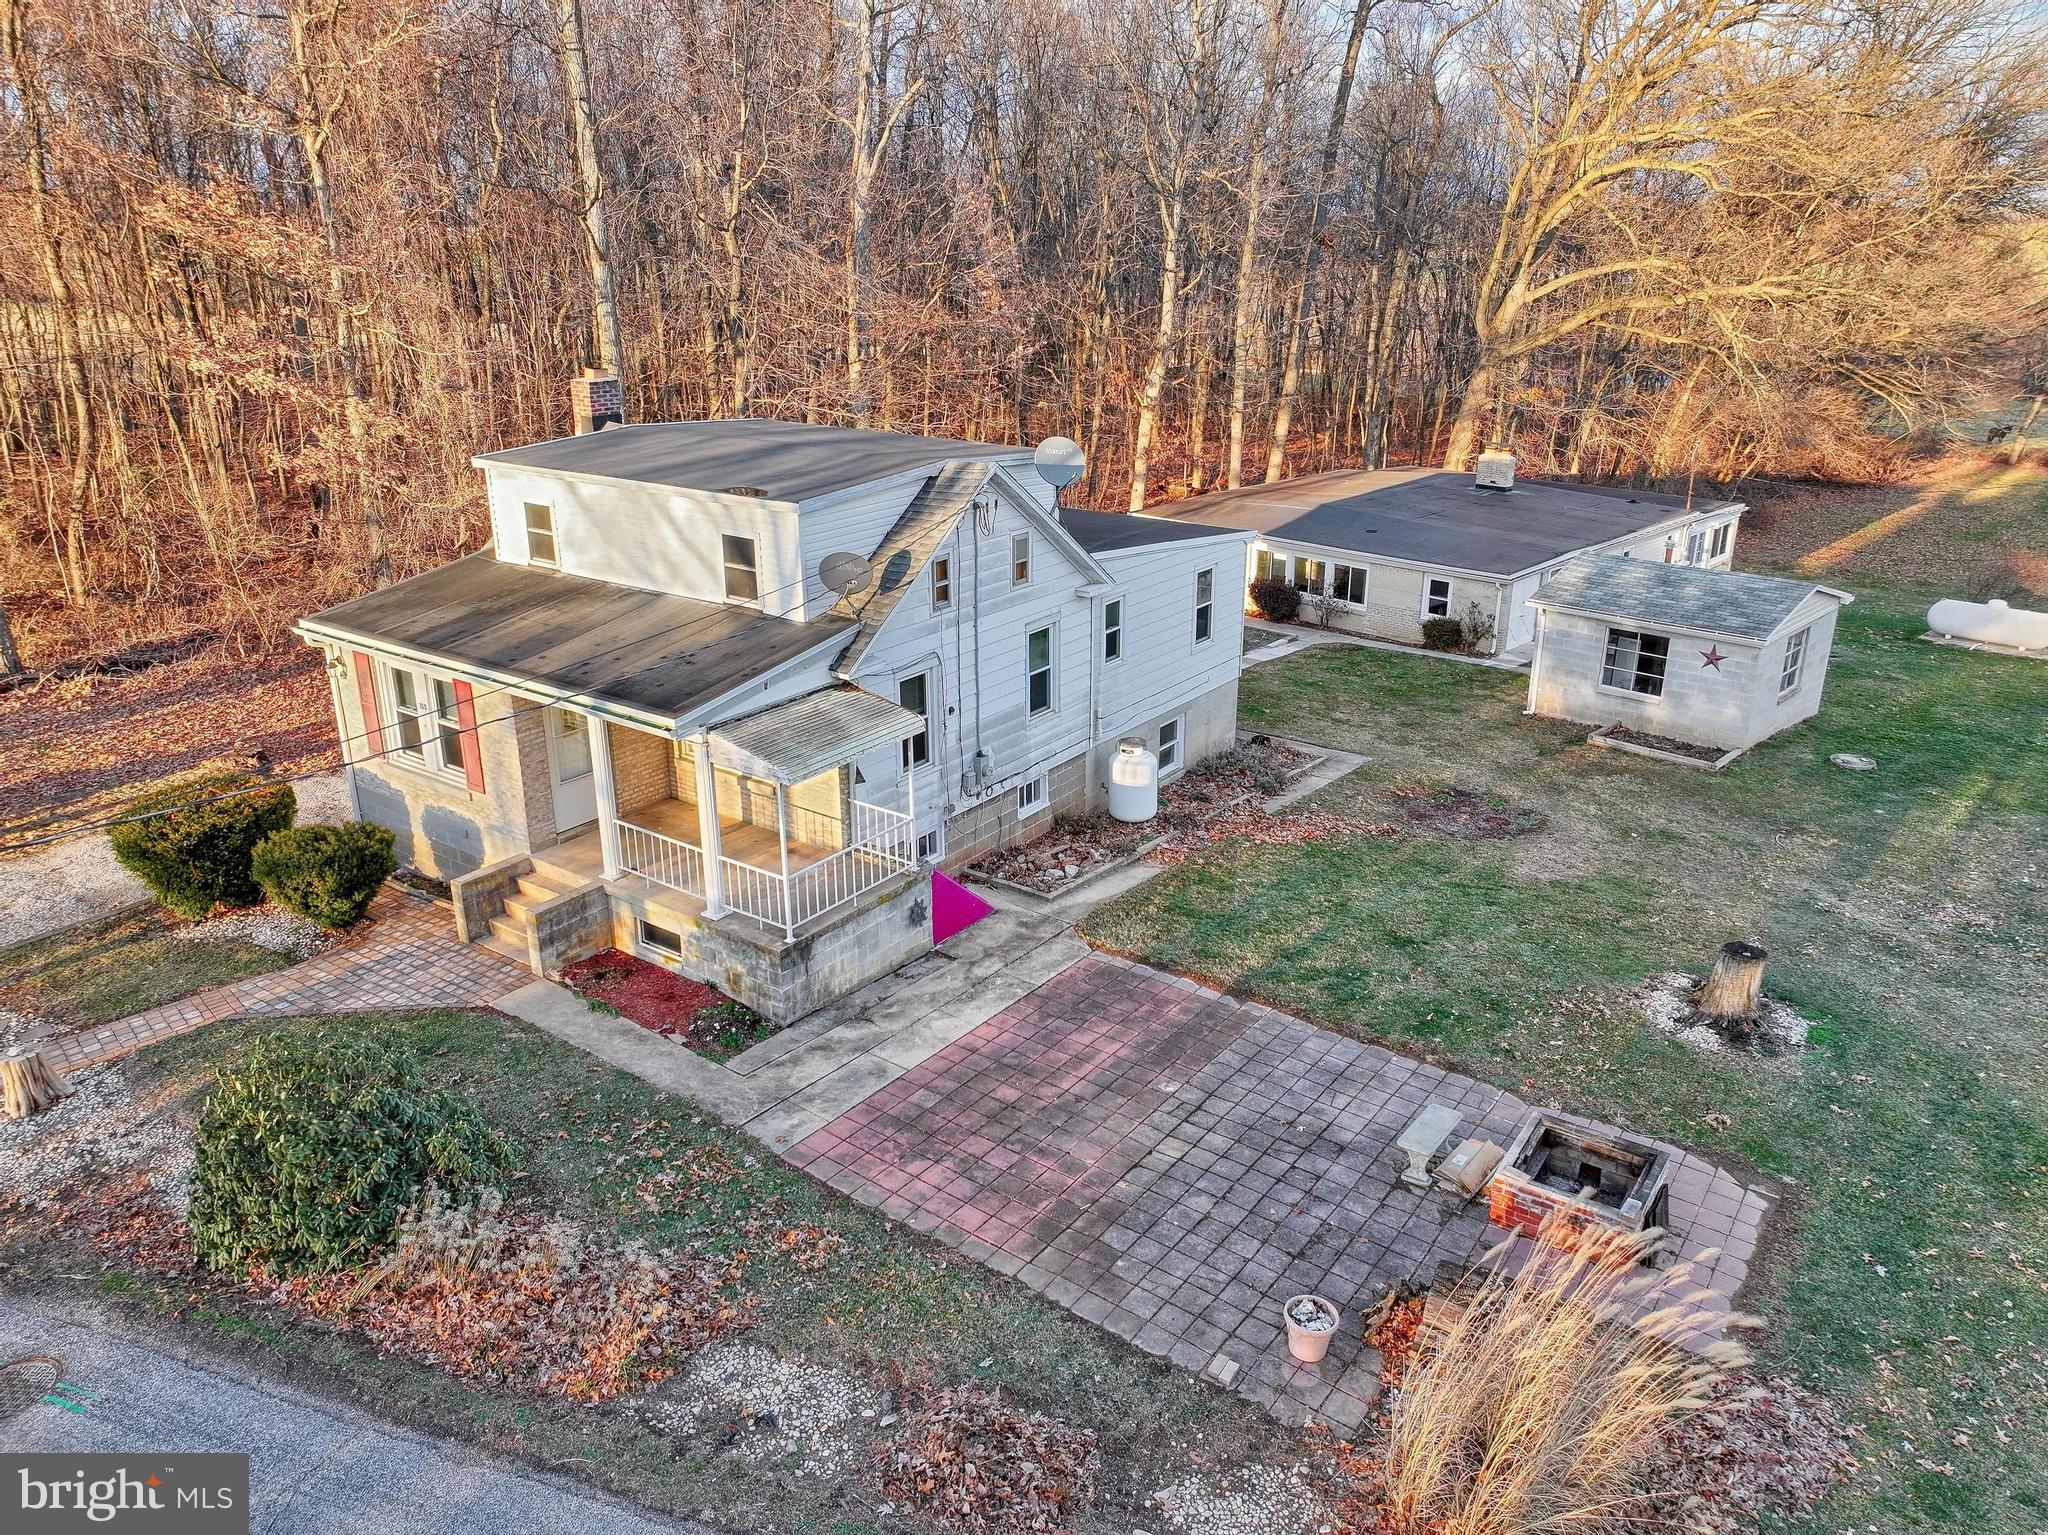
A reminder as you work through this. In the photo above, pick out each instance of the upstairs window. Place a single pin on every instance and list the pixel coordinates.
(1795, 661)
(1113, 629)
(1205, 603)
(1020, 558)
(1038, 670)
(540, 533)
(1436, 597)
(942, 582)
(914, 694)
(742, 577)
(1347, 584)
(1635, 662)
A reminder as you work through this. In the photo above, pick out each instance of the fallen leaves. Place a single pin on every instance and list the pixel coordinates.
(974, 1462)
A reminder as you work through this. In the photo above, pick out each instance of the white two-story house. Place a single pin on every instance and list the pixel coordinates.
(723, 692)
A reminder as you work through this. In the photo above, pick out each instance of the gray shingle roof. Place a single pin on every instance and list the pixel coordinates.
(652, 653)
(799, 739)
(773, 460)
(904, 551)
(1432, 517)
(1682, 596)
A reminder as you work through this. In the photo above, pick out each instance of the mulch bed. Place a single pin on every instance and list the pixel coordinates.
(665, 1003)
(1461, 813)
(1664, 743)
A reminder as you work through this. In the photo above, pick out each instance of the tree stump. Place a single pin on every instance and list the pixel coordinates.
(28, 1084)
(1732, 995)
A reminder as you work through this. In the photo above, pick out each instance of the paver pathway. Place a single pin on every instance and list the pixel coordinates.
(1173, 1164)
(406, 956)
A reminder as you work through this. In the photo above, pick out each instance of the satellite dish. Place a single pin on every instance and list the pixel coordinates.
(1059, 461)
(845, 573)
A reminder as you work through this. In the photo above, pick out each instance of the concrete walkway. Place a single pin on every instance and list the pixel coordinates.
(315, 1467)
(1292, 639)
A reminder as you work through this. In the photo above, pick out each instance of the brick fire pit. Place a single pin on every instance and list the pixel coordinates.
(1554, 1164)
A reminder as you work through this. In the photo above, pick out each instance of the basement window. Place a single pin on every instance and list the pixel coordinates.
(1635, 662)
(1031, 797)
(1169, 746)
(667, 940)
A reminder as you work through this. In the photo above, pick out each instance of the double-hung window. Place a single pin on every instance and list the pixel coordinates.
(540, 533)
(1038, 670)
(1436, 597)
(1347, 584)
(426, 724)
(406, 714)
(1169, 746)
(1205, 604)
(742, 574)
(1635, 662)
(447, 725)
(1308, 574)
(1720, 544)
(1695, 545)
(942, 582)
(1268, 566)
(1020, 558)
(914, 693)
(1113, 629)
(1795, 661)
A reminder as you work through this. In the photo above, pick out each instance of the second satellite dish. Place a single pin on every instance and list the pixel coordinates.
(845, 573)
(1059, 461)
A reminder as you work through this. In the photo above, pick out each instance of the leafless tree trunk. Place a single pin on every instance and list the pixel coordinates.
(590, 186)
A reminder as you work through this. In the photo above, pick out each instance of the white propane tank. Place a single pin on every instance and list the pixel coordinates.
(1133, 783)
(1995, 622)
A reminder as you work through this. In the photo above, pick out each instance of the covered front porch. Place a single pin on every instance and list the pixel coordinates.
(768, 816)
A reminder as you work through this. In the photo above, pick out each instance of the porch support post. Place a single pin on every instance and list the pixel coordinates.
(782, 831)
(607, 794)
(707, 825)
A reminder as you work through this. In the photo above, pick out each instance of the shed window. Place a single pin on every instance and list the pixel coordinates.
(1635, 662)
(1038, 669)
(1113, 629)
(1347, 584)
(1795, 661)
(1436, 597)
(742, 576)
(1020, 558)
(942, 582)
(540, 533)
(914, 693)
(1205, 604)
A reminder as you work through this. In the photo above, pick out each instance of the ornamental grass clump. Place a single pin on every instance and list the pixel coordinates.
(308, 1152)
(1542, 1405)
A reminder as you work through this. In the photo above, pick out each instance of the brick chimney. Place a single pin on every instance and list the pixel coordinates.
(597, 400)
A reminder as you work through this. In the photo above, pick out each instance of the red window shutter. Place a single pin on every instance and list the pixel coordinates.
(465, 716)
(373, 722)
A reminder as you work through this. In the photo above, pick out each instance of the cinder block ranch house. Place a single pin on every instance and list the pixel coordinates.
(722, 692)
(1711, 657)
(1390, 548)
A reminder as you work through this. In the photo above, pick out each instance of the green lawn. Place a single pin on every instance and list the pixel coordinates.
(890, 1305)
(1904, 911)
(100, 971)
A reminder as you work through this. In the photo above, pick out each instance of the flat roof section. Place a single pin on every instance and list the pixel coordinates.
(1434, 517)
(650, 652)
(769, 460)
(1108, 532)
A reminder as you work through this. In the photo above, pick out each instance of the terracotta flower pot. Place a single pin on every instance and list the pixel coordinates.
(1308, 1336)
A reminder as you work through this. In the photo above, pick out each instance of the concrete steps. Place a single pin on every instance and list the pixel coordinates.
(504, 950)
(534, 890)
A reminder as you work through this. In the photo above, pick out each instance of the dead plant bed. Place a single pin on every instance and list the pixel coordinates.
(669, 1004)
(1622, 735)
(1224, 787)
(1462, 813)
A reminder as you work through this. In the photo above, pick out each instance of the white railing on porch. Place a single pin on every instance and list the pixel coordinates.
(878, 846)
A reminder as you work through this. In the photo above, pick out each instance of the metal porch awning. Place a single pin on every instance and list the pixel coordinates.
(802, 738)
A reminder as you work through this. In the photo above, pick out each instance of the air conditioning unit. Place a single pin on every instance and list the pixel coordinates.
(1494, 470)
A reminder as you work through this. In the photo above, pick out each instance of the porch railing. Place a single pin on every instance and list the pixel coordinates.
(878, 846)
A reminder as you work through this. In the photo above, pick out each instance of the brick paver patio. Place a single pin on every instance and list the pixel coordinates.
(1173, 1164)
(405, 954)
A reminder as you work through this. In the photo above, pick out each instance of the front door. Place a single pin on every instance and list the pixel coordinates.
(569, 760)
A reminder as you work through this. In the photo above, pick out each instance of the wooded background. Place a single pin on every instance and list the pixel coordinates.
(270, 273)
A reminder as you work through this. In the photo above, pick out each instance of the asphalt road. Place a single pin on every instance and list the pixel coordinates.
(316, 1468)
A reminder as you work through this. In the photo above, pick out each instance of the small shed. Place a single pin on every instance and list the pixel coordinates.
(1710, 657)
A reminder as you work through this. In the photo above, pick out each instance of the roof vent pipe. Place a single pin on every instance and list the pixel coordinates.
(1494, 470)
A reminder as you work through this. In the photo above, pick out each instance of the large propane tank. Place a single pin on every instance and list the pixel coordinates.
(1133, 783)
(1996, 622)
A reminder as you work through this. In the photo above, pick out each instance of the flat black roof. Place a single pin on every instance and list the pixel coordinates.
(648, 651)
(773, 460)
(1437, 518)
(1106, 532)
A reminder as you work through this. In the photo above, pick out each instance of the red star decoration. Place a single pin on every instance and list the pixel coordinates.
(1712, 658)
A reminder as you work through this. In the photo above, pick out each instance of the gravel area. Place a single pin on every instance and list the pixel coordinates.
(101, 1123)
(808, 1418)
(267, 927)
(1245, 1500)
(45, 889)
